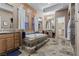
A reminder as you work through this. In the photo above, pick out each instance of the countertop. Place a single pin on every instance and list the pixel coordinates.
(8, 31)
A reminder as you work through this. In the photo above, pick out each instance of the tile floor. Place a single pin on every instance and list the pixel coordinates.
(53, 47)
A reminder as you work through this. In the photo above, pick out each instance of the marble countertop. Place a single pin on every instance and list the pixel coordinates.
(7, 31)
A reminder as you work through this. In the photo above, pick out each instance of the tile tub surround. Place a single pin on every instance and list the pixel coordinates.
(52, 48)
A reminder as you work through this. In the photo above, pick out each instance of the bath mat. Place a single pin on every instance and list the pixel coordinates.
(14, 53)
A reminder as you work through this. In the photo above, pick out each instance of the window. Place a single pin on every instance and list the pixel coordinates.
(21, 15)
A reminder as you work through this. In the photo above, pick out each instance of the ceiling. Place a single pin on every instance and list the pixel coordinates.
(41, 6)
(48, 7)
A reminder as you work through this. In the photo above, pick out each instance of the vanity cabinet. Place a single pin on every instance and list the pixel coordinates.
(2, 45)
(9, 41)
(17, 39)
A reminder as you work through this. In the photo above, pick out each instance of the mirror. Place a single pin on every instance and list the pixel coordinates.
(50, 23)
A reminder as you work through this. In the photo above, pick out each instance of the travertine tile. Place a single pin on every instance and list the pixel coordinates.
(53, 48)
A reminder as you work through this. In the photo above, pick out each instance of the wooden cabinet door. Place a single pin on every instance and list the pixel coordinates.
(10, 43)
(16, 44)
(2, 45)
(17, 40)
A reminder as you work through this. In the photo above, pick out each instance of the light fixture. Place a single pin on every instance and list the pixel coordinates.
(52, 21)
(39, 19)
(49, 3)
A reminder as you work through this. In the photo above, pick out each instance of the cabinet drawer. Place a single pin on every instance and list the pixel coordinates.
(17, 38)
(17, 34)
(3, 36)
(9, 35)
(6, 35)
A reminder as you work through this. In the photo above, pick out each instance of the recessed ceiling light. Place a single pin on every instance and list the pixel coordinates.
(39, 19)
(49, 3)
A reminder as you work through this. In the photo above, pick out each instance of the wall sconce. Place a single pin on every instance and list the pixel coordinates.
(5, 23)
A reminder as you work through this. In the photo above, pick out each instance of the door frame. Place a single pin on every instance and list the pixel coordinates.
(57, 25)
